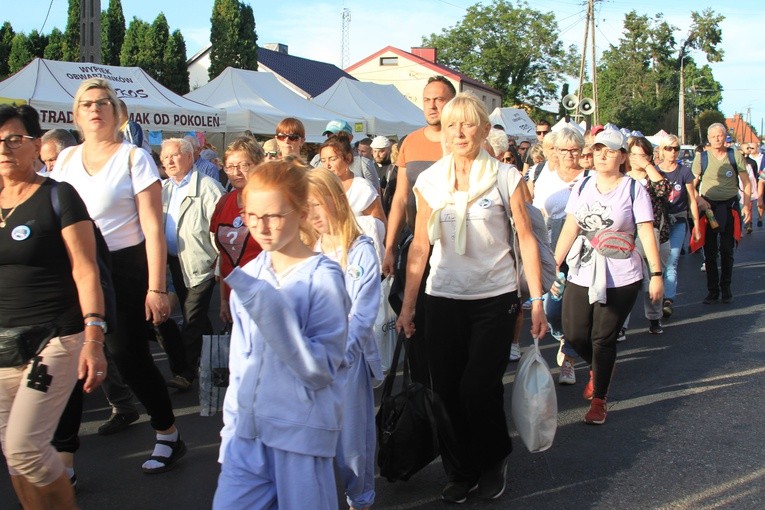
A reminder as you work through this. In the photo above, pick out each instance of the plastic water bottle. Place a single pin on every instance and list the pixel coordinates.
(711, 219)
(559, 285)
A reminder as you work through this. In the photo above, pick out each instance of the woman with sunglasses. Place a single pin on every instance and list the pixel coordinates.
(235, 244)
(682, 201)
(290, 137)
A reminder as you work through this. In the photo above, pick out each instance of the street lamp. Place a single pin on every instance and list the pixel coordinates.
(681, 105)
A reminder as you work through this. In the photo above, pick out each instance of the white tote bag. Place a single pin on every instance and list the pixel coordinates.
(535, 405)
(385, 327)
(213, 373)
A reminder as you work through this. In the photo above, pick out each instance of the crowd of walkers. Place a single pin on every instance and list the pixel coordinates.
(100, 241)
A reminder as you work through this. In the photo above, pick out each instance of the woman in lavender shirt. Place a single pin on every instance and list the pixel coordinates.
(604, 212)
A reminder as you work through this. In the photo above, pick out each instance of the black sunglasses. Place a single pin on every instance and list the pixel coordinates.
(292, 137)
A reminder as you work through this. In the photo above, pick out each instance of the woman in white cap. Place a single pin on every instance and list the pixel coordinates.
(605, 272)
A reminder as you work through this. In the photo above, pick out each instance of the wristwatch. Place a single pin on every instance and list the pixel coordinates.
(657, 273)
(100, 324)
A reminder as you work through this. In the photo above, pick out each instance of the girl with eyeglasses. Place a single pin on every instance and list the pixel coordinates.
(290, 137)
(682, 203)
(283, 407)
(336, 234)
(235, 244)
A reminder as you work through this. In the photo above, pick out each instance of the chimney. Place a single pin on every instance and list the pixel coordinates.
(428, 54)
(277, 47)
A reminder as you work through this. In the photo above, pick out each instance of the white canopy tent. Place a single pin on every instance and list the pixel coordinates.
(386, 110)
(516, 121)
(257, 101)
(49, 86)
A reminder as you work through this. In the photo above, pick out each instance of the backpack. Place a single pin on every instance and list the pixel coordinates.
(103, 260)
(705, 162)
(539, 227)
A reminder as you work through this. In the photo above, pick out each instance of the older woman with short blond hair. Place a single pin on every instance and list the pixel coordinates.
(471, 287)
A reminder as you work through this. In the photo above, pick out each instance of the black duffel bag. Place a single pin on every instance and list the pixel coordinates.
(20, 344)
(407, 425)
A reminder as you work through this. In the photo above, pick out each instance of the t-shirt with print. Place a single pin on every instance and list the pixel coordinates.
(417, 154)
(34, 265)
(615, 211)
(719, 183)
(679, 178)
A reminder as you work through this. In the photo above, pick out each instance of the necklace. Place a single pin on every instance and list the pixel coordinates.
(3, 218)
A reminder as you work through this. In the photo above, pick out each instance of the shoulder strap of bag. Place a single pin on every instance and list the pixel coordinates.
(391, 377)
(502, 186)
(584, 182)
(538, 171)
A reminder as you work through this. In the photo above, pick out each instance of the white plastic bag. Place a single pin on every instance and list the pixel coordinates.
(535, 405)
(213, 373)
(385, 327)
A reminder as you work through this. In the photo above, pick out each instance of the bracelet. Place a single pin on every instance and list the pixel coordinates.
(93, 342)
(158, 291)
(540, 298)
(657, 273)
(96, 315)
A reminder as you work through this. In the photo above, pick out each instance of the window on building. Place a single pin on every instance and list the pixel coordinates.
(388, 61)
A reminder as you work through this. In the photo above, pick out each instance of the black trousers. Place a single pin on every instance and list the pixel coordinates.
(129, 341)
(592, 329)
(468, 342)
(721, 240)
(195, 304)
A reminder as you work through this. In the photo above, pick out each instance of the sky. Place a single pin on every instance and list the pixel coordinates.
(313, 29)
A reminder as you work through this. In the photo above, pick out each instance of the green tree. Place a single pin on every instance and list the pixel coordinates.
(134, 51)
(55, 48)
(233, 37)
(6, 41)
(112, 33)
(155, 43)
(176, 75)
(21, 53)
(513, 48)
(72, 33)
(706, 119)
(37, 43)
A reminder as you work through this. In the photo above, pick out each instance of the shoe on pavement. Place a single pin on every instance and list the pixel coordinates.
(567, 374)
(727, 296)
(457, 492)
(622, 335)
(589, 389)
(667, 309)
(655, 327)
(179, 383)
(759, 223)
(712, 297)
(515, 352)
(178, 450)
(749, 227)
(597, 413)
(117, 423)
(493, 481)
(560, 358)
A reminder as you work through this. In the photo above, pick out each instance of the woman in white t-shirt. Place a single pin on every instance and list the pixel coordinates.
(121, 189)
(471, 298)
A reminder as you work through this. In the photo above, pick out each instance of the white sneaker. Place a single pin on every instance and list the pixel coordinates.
(515, 352)
(560, 357)
(622, 335)
(567, 374)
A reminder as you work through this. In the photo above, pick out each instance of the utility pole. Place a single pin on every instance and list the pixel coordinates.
(591, 9)
(681, 101)
(589, 27)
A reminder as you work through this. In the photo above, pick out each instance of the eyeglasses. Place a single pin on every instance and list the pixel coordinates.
(292, 137)
(673, 148)
(570, 152)
(610, 153)
(750, 148)
(586, 155)
(241, 167)
(274, 221)
(15, 141)
(100, 103)
(542, 132)
(272, 154)
(508, 160)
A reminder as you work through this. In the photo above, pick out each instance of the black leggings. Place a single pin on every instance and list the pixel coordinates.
(128, 343)
(592, 329)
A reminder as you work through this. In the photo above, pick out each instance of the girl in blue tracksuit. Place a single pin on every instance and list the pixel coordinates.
(283, 408)
(339, 237)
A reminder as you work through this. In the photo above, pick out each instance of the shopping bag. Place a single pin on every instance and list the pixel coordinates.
(535, 405)
(407, 426)
(385, 327)
(213, 373)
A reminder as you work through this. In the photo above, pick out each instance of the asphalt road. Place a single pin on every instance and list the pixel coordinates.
(684, 429)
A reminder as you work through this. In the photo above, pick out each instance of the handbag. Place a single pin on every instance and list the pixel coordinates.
(408, 425)
(535, 405)
(213, 373)
(21, 343)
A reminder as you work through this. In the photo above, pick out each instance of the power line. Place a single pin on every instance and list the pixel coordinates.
(46, 16)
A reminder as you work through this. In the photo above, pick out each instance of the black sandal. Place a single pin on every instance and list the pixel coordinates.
(178, 451)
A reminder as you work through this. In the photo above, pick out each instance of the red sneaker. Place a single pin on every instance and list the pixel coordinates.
(597, 413)
(589, 390)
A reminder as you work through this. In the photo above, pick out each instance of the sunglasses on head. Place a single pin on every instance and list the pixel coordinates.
(292, 137)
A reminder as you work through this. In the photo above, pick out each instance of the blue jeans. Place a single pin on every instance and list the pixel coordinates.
(553, 311)
(677, 233)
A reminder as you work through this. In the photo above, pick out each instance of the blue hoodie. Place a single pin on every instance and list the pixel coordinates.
(287, 345)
